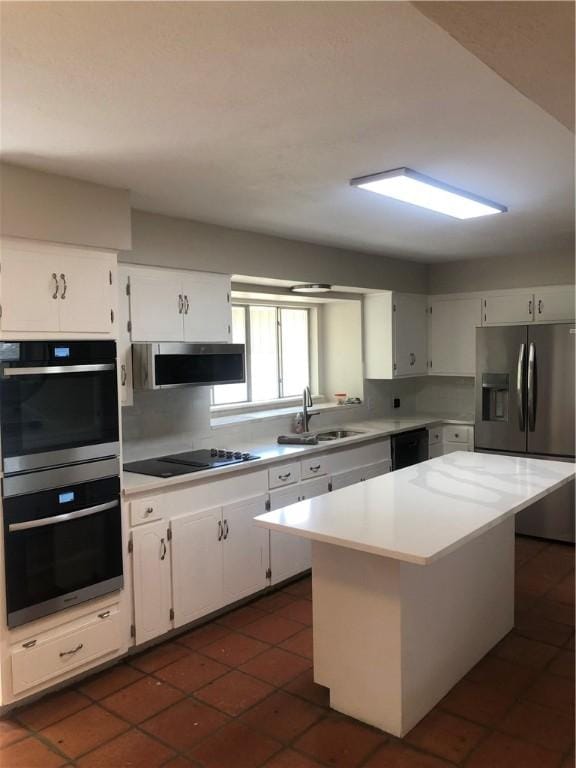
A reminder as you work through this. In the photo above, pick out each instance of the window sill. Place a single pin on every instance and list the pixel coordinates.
(257, 412)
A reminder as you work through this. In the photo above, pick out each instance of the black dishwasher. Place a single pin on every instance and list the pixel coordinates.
(409, 448)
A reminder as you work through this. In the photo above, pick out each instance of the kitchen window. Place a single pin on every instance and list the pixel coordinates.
(277, 340)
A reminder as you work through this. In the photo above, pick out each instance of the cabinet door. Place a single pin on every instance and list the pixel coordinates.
(29, 286)
(289, 554)
(245, 549)
(410, 318)
(124, 345)
(452, 336)
(375, 470)
(151, 575)
(435, 450)
(207, 309)
(156, 306)
(87, 293)
(349, 477)
(509, 308)
(196, 564)
(555, 305)
(310, 488)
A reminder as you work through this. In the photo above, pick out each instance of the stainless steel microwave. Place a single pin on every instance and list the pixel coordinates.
(175, 365)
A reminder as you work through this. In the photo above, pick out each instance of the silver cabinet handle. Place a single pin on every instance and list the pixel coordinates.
(540, 306)
(315, 468)
(520, 388)
(285, 477)
(73, 651)
(530, 307)
(64, 285)
(180, 304)
(123, 375)
(412, 358)
(148, 511)
(104, 615)
(220, 531)
(531, 387)
(29, 644)
(56, 285)
(226, 529)
(186, 304)
(163, 549)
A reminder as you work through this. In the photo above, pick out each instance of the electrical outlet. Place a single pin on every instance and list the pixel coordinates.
(395, 402)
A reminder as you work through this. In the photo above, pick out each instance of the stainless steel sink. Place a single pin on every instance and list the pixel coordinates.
(336, 434)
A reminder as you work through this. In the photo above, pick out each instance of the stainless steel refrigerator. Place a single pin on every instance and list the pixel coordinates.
(525, 406)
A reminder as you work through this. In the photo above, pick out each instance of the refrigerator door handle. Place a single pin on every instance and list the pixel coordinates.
(531, 387)
(520, 388)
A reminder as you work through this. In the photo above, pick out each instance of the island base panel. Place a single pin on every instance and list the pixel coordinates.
(392, 638)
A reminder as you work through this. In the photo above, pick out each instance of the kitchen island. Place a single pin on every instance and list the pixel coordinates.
(413, 577)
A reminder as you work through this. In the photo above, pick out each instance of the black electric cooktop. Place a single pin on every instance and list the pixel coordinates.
(187, 462)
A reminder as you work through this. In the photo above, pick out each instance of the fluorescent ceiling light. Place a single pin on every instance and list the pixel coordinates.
(311, 288)
(411, 187)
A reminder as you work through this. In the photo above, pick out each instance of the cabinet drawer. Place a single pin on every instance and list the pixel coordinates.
(145, 510)
(286, 474)
(457, 434)
(434, 435)
(54, 655)
(314, 466)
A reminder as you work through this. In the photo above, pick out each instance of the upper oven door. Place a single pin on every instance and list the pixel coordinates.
(58, 410)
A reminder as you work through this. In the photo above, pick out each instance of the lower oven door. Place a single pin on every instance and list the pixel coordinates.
(62, 547)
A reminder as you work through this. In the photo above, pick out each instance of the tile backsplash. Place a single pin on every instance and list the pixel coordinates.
(172, 420)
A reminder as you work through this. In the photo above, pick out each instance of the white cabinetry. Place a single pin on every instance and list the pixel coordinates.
(449, 438)
(395, 335)
(452, 336)
(289, 555)
(554, 305)
(152, 583)
(245, 549)
(50, 289)
(196, 564)
(170, 305)
(508, 308)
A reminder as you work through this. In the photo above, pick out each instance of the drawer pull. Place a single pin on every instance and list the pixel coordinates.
(456, 434)
(285, 476)
(163, 549)
(149, 510)
(104, 615)
(29, 644)
(315, 468)
(73, 651)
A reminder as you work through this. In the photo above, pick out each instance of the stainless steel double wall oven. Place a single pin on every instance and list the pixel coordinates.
(60, 485)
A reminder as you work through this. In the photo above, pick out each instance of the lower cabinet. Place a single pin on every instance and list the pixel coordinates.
(359, 474)
(244, 549)
(196, 564)
(152, 581)
(450, 438)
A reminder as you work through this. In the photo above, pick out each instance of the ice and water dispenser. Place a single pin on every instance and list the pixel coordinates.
(495, 396)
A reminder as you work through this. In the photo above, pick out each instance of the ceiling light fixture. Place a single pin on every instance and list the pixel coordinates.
(412, 187)
(311, 288)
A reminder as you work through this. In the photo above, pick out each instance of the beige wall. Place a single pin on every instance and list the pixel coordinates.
(165, 241)
(505, 272)
(45, 206)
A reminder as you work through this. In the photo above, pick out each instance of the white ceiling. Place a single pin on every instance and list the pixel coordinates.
(256, 115)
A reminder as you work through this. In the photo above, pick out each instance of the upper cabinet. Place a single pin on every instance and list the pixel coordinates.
(508, 308)
(52, 290)
(395, 335)
(452, 336)
(542, 305)
(169, 305)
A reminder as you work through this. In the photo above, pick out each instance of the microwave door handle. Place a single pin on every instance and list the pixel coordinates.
(64, 518)
(520, 388)
(531, 387)
(49, 369)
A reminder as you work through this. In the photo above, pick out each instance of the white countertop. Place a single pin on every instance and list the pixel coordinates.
(421, 513)
(272, 453)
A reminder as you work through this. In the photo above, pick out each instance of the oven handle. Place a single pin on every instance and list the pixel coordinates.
(59, 369)
(62, 518)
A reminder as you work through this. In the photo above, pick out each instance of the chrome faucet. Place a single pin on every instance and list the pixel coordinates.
(307, 402)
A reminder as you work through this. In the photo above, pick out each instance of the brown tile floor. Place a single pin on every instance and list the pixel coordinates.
(238, 693)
